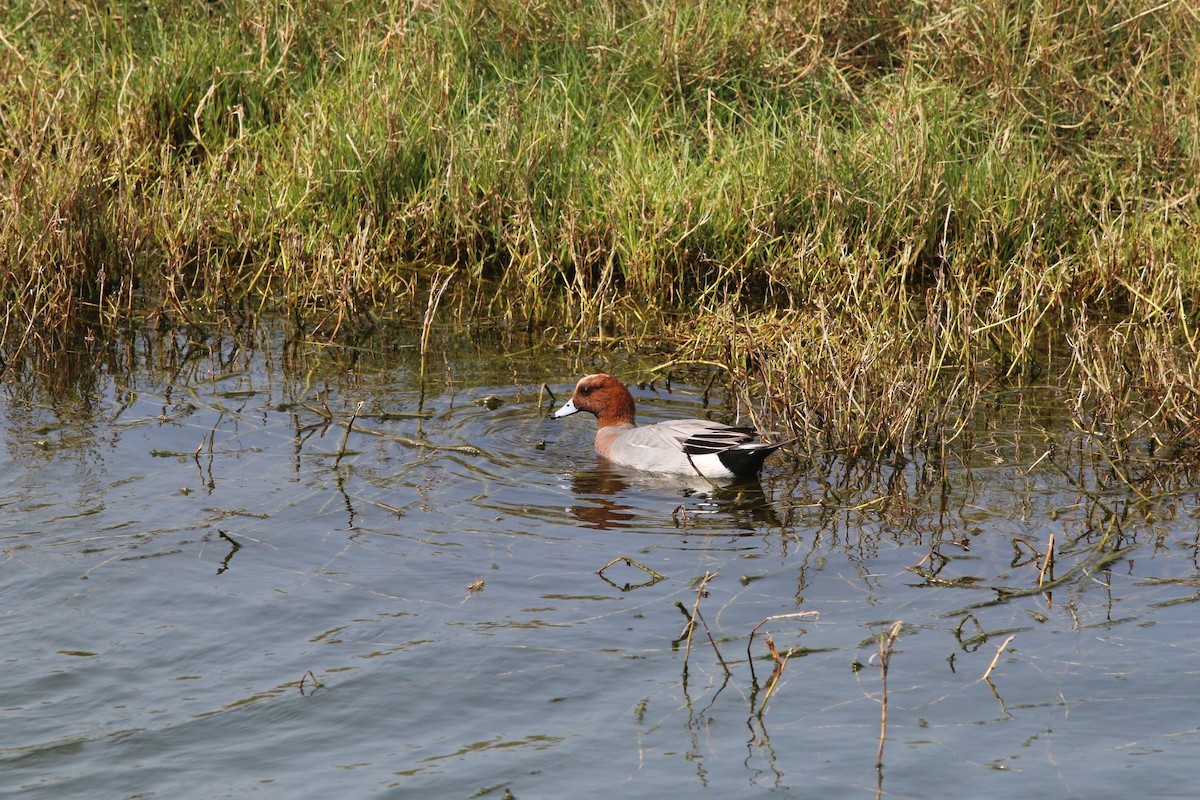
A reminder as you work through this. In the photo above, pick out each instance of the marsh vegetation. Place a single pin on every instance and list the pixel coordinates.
(875, 214)
(285, 285)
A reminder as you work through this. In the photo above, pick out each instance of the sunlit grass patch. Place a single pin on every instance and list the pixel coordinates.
(872, 212)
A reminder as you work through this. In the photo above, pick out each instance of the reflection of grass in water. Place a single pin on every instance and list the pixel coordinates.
(836, 507)
(1109, 522)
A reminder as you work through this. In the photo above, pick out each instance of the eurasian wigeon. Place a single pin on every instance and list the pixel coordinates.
(687, 446)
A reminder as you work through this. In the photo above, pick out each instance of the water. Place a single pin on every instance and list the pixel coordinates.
(188, 542)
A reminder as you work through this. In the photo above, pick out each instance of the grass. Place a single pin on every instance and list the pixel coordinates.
(874, 213)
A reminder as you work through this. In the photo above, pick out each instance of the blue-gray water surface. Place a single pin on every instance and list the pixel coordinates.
(211, 590)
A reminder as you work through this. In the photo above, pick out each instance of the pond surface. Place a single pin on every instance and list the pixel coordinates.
(211, 590)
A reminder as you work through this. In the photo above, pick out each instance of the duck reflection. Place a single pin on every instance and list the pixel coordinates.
(594, 488)
(602, 493)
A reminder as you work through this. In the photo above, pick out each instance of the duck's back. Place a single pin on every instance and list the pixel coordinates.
(685, 446)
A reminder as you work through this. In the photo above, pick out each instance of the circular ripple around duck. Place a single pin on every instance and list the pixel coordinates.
(500, 435)
(516, 436)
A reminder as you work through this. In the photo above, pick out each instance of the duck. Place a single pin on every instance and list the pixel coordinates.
(684, 446)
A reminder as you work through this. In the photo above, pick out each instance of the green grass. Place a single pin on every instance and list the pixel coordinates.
(853, 203)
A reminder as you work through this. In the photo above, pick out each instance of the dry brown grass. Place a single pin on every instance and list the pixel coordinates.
(873, 213)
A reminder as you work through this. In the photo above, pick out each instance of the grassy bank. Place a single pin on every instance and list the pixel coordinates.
(870, 210)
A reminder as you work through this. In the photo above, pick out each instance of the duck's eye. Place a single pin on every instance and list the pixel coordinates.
(586, 389)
